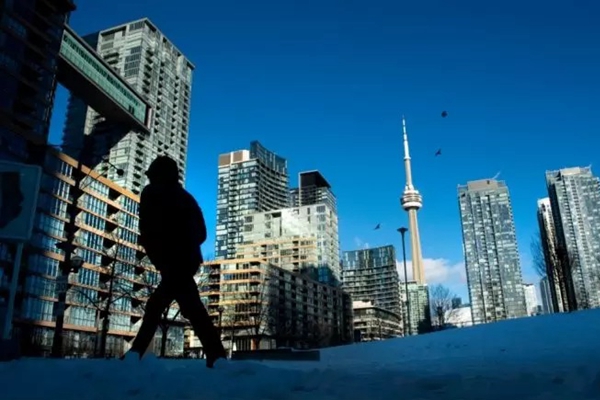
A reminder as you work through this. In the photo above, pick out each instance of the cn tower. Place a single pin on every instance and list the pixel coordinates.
(412, 202)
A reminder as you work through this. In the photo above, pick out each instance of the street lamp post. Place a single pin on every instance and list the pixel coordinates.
(407, 327)
(220, 310)
(67, 265)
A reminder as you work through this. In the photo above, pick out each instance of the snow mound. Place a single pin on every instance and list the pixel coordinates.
(547, 358)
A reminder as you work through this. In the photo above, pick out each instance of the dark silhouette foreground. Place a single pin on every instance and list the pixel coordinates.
(172, 229)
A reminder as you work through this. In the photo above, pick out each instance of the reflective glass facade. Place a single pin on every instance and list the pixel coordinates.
(549, 247)
(371, 275)
(491, 255)
(106, 239)
(162, 76)
(575, 204)
(302, 239)
(312, 188)
(30, 37)
(418, 307)
(249, 182)
(87, 63)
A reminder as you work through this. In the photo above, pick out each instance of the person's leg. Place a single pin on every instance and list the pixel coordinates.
(192, 308)
(155, 306)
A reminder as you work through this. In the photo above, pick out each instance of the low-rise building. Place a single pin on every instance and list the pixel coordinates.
(459, 317)
(258, 305)
(374, 322)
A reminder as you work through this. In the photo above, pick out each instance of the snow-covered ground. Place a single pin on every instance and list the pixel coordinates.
(547, 358)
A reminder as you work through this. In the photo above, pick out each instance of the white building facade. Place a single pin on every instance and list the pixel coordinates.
(531, 300)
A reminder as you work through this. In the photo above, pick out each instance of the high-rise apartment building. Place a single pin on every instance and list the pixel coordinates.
(575, 203)
(547, 305)
(38, 50)
(312, 188)
(250, 181)
(302, 239)
(548, 246)
(371, 275)
(162, 75)
(416, 312)
(113, 273)
(491, 255)
(30, 39)
(531, 300)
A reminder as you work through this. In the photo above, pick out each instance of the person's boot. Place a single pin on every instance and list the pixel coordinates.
(131, 355)
(211, 358)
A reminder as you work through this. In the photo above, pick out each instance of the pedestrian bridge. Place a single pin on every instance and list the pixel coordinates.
(82, 71)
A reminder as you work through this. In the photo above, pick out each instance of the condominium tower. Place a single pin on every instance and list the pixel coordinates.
(491, 255)
(250, 181)
(575, 202)
(106, 239)
(371, 275)
(546, 294)
(531, 300)
(548, 246)
(416, 311)
(162, 75)
(312, 188)
(300, 239)
(31, 34)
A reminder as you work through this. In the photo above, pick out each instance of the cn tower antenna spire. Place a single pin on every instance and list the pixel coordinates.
(407, 166)
(412, 202)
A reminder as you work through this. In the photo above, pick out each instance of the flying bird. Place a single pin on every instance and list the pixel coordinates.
(444, 114)
(438, 153)
(377, 227)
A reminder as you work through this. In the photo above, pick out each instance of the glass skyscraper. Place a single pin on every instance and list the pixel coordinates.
(300, 239)
(162, 75)
(491, 255)
(575, 203)
(312, 188)
(106, 232)
(371, 275)
(250, 181)
(417, 308)
(548, 245)
(106, 239)
(30, 38)
(547, 305)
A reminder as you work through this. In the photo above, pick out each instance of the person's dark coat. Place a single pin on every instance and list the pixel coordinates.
(172, 226)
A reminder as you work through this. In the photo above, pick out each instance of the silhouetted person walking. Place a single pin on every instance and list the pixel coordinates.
(172, 229)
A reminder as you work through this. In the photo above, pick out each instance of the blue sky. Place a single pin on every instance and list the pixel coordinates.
(325, 82)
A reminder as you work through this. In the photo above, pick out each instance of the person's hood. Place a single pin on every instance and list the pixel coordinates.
(163, 170)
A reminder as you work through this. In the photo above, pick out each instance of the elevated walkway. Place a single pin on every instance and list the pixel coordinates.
(82, 71)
